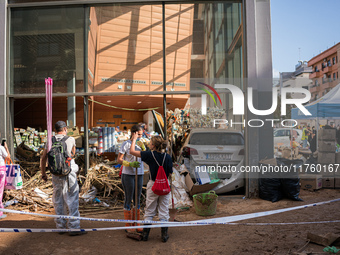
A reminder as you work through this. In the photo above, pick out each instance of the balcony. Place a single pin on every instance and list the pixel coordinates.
(329, 69)
(314, 89)
(315, 75)
(326, 85)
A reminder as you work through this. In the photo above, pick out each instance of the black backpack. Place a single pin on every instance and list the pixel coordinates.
(59, 160)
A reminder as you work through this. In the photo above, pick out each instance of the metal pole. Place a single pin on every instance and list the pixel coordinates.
(136, 194)
(164, 69)
(281, 85)
(86, 99)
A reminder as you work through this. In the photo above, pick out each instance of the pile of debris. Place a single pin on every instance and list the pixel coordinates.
(100, 189)
(35, 194)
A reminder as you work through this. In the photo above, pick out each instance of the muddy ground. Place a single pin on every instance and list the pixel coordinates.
(215, 239)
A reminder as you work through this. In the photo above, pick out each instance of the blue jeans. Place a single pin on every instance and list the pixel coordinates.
(128, 182)
(304, 145)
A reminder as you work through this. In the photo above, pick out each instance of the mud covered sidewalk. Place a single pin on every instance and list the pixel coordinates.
(216, 239)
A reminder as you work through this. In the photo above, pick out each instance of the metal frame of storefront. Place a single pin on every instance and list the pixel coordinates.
(256, 58)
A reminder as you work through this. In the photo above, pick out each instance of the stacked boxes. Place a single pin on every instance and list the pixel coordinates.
(327, 156)
(326, 146)
(337, 173)
(30, 137)
(74, 132)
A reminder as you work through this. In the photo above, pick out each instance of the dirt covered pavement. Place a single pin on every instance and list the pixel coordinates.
(216, 239)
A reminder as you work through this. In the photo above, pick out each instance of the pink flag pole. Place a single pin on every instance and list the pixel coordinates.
(49, 89)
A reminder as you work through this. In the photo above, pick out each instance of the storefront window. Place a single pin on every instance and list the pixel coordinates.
(203, 44)
(47, 42)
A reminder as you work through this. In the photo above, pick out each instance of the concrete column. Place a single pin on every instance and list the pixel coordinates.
(259, 141)
(71, 101)
(3, 74)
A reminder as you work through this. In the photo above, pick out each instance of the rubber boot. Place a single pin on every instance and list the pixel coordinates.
(128, 216)
(146, 232)
(139, 230)
(165, 235)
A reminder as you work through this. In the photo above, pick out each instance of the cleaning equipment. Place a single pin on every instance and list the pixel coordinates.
(205, 203)
(134, 234)
(173, 210)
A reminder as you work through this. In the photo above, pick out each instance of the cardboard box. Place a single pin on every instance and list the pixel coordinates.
(109, 155)
(146, 177)
(328, 182)
(326, 157)
(337, 158)
(202, 176)
(326, 146)
(311, 181)
(93, 141)
(73, 131)
(79, 141)
(18, 139)
(337, 183)
(29, 129)
(336, 171)
(195, 188)
(327, 134)
(327, 170)
(25, 152)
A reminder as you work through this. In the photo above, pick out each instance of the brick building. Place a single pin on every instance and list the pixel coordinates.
(325, 75)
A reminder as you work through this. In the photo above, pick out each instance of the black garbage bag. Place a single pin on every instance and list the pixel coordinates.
(291, 188)
(290, 181)
(270, 189)
(290, 168)
(273, 186)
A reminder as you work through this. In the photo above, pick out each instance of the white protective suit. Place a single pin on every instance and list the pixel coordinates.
(66, 202)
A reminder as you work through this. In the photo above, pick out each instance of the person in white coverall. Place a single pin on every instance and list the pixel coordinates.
(65, 192)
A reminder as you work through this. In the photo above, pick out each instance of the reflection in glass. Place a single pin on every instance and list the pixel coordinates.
(216, 58)
(46, 43)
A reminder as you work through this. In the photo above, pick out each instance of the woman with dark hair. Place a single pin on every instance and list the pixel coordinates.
(154, 158)
(129, 163)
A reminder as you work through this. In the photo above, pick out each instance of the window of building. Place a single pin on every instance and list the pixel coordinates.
(334, 61)
(316, 69)
(334, 76)
(329, 63)
(46, 49)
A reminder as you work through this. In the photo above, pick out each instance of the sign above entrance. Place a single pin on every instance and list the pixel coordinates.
(124, 80)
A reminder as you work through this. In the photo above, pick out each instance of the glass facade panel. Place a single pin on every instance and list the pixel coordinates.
(125, 51)
(46, 42)
(203, 44)
(220, 60)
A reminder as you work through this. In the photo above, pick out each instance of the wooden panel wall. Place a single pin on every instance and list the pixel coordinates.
(130, 47)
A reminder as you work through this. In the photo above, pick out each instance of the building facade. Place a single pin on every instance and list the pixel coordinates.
(297, 79)
(112, 61)
(326, 68)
